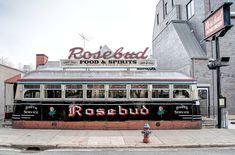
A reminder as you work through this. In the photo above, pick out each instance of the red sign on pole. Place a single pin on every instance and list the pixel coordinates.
(218, 21)
(214, 23)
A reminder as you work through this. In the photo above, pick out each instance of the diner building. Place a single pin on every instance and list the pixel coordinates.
(105, 90)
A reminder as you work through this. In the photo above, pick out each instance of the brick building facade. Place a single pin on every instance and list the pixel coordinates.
(178, 44)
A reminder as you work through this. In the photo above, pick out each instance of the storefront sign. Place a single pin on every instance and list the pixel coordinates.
(181, 109)
(217, 21)
(80, 53)
(106, 111)
(79, 111)
(107, 63)
(31, 110)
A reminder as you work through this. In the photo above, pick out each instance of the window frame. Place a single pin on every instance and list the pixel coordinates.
(117, 89)
(158, 98)
(166, 8)
(191, 12)
(78, 89)
(56, 89)
(27, 89)
(142, 98)
(91, 98)
(178, 89)
(158, 21)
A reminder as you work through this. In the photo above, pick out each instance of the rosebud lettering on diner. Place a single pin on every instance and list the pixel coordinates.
(75, 109)
(80, 53)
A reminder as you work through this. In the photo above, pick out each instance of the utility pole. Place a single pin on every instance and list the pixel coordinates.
(217, 50)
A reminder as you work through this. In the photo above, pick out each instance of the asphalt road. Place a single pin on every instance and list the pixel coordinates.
(127, 151)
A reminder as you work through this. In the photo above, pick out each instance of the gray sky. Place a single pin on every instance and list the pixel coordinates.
(52, 27)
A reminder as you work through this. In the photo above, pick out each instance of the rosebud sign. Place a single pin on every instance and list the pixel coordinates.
(80, 53)
(100, 111)
(80, 111)
(78, 57)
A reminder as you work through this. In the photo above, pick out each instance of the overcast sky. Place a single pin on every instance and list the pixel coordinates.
(52, 27)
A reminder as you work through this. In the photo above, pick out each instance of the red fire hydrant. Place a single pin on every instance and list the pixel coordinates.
(146, 133)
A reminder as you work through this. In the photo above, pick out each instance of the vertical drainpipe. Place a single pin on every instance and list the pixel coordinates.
(213, 80)
(193, 67)
(163, 9)
(5, 109)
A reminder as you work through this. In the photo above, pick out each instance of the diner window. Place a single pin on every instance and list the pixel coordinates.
(117, 91)
(31, 91)
(53, 91)
(95, 91)
(181, 91)
(190, 9)
(139, 91)
(160, 91)
(73, 91)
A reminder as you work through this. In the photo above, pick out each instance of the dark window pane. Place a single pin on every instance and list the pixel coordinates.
(180, 94)
(73, 86)
(31, 86)
(117, 86)
(160, 86)
(52, 93)
(95, 93)
(32, 94)
(73, 94)
(95, 86)
(52, 86)
(139, 86)
(160, 93)
(117, 94)
(139, 94)
(181, 86)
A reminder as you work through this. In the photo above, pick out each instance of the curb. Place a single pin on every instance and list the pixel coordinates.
(48, 147)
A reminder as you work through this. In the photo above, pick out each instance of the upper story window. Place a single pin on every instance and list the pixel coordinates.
(139, 91)
(172, 3)
(190, 9)
(73, 91)
(158, 19)
(181, 91)
(31, 91)
(160, 91)
(53, 91)
(165, 7)
(117, 91)
(95, 91)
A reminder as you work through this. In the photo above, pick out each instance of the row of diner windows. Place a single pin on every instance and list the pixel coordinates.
(115, 91)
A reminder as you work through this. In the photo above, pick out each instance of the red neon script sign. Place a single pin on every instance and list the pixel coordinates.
(79, 111)
(80, 53)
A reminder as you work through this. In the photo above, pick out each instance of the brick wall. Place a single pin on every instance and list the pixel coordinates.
(128, 125)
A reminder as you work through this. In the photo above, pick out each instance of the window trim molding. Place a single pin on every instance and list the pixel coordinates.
(187, 12)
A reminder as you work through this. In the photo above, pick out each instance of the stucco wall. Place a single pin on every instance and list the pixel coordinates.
(6, 73)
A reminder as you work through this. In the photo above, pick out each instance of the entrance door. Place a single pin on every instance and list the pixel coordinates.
(203, 93)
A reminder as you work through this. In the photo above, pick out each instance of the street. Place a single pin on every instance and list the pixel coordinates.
(125, 151)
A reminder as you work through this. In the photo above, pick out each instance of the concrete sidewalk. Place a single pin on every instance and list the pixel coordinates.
(45, 139)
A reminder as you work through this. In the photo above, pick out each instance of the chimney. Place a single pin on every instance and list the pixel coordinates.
(41, 59)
